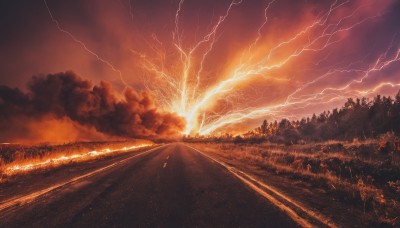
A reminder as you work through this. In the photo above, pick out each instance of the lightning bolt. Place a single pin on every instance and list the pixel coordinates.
(83, 45)
(322, 96)
(246, 69)
(183, 97)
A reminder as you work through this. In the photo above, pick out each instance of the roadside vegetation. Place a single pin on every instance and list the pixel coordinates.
(349, 155)
(12, 155)
(357, 174)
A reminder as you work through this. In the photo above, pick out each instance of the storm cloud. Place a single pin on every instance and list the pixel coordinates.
(70, 98)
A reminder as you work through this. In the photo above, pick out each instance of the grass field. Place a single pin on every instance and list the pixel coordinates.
(364, 177)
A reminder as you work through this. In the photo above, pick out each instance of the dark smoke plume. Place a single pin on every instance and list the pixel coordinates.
(67, 96)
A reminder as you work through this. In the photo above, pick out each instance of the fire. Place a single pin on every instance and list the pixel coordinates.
(12, 169)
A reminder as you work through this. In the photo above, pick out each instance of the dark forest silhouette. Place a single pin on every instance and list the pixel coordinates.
(357, 119)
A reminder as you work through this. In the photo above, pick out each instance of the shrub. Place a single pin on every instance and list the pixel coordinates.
(238, 139)
(388, 142)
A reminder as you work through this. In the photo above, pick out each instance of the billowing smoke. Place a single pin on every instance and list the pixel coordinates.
(67, 98)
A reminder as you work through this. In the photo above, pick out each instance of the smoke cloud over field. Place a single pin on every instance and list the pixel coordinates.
(64, 105)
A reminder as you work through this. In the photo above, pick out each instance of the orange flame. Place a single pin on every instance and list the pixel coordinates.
(12, 169)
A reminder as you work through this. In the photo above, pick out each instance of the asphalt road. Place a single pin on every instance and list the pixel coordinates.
(170, 186)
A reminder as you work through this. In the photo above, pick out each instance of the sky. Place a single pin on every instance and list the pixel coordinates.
(220, 65)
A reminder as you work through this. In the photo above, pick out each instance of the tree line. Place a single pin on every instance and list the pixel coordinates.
(358, 118)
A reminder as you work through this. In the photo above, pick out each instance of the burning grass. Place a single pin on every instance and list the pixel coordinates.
(365, 176)
(16, 158)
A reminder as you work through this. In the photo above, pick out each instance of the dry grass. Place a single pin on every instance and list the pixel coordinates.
(12, 155)
(360, 174)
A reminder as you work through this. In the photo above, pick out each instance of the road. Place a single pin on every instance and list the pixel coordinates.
(170, 186)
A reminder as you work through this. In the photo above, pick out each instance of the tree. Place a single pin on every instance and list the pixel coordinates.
(264, 128)
(358, 118)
